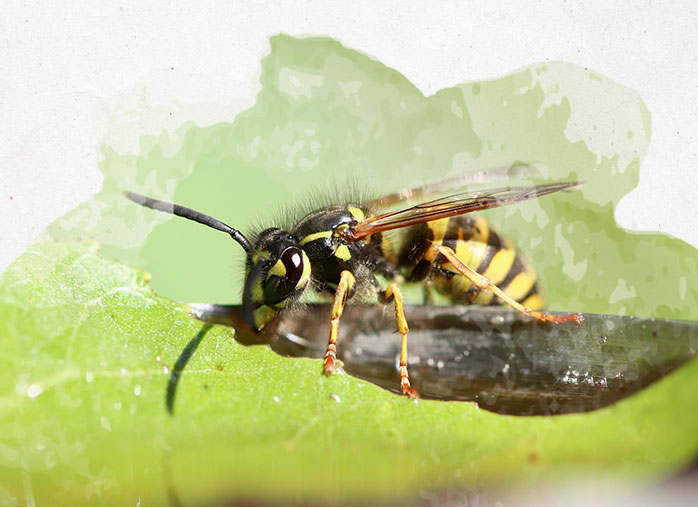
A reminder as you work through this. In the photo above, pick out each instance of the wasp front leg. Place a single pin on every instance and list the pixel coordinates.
(481, 283)
(393, 293)
(345, 285)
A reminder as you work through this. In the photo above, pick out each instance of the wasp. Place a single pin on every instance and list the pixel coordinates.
(340, 249)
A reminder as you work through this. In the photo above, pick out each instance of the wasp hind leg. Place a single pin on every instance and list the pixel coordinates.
(481, 283)
(346, 283)
(393, 293)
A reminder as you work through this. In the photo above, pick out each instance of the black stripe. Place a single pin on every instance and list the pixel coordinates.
(532, 292)
(494, 240)
(516, 268)
(494, 245)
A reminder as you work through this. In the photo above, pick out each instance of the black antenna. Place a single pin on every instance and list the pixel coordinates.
(191, 214)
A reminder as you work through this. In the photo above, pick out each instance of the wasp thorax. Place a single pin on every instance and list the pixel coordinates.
(277, 274)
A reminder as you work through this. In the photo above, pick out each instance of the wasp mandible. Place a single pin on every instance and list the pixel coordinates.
(339, 249)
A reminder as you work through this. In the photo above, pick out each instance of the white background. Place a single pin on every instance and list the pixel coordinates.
(65, 69)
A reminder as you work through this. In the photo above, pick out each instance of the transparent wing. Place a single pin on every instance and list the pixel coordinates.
(422, 192)
(452, 205)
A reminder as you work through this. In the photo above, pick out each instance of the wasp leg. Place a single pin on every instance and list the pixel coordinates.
(482, 283)
(346, 282)
(393, 293)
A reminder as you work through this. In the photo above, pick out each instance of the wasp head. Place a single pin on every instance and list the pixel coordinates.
(278, 271)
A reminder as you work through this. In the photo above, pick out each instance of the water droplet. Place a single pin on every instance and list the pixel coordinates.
(117, 405)
(34, 390)
(104, 423)
(335, 397)
(125, 345)
(137, 390)
(123, 371)
(603, 340)
(165, 369)
(158, 358)
(276, 399)
(89, 376)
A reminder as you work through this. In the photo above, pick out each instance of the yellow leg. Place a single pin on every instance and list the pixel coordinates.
(482, 283)
(346, 282)
(393, 292)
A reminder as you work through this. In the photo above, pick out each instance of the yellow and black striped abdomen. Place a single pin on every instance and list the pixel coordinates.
(482, 249)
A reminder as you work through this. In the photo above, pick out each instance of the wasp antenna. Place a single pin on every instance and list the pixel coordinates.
(190, 214)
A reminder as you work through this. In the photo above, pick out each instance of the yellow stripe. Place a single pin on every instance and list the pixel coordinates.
(387, 246)
(459, 285)
(342, 252)
(477, 253)
(314, 236)
(520, 285)
(439, 227)
(470, 252)
(464, 251)
(534, 302)
(500, 265)
(484, 298)
(356, 213)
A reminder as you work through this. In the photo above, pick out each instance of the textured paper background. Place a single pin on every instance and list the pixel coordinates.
(64, 70)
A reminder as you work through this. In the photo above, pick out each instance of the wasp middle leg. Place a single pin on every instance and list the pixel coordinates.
(393, 293)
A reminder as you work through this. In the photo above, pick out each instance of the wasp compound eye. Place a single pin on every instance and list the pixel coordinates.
(292, 259)
(284, 276)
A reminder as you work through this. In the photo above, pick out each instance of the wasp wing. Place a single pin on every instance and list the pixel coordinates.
(452, 205)
(459, 181)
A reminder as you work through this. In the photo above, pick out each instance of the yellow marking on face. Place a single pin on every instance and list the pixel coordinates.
(439, 227)
(520, 285)
(534, 302)
(342, 252)
(305, 276)
(481, 230)
(500, 265)
(314, 236)
(356, 213)
(263, 315)
(278, 269)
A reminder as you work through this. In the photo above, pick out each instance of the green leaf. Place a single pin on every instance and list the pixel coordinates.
(88, 352)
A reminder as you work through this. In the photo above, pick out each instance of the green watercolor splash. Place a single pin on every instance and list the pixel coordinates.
(326, 113)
